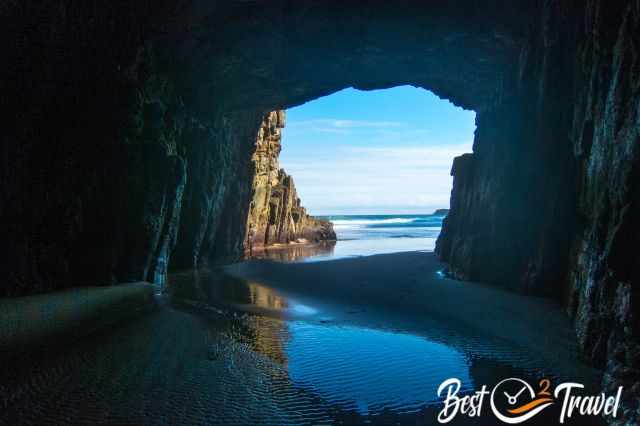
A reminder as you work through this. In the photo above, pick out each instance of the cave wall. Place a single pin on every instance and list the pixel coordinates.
(216, 199)
(548, 202)
(108, 174)
(276, 214)
(605, 135)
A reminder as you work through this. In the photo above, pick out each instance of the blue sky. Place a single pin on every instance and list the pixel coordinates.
(375, 152)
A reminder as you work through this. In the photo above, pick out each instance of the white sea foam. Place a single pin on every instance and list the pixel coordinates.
(364, 235)
(341, 222)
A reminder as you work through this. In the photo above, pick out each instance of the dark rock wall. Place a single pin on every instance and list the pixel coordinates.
(548, 201)
(512, 204)
(605, 134)
(513, 221)
(216, 199)
(105, 167)
(276, 214)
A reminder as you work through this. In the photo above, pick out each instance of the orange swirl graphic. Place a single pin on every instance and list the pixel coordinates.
(530, 406)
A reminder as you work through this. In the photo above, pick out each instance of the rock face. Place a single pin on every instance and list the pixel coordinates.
(130, 129)
(548, 203)
(275, 212)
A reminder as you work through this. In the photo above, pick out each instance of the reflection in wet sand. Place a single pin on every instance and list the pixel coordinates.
(228, 351)
(295, 252)
(334, 369)
(360, 370)
(218, 289)
(265, 297)
(227, 295)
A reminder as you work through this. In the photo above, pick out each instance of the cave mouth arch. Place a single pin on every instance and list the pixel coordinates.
(191, 91)
(460, 52)
(374, 163)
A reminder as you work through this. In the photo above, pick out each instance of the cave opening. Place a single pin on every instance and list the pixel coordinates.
(376, 164)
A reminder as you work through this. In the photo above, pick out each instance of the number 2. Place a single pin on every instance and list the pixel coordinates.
(544, 387)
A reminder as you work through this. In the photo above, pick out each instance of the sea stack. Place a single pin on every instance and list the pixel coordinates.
(275, 213)
(441, 212)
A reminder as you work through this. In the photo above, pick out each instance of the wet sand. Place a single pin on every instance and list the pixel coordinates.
(351, 341)
(406, 291)
(69, 314)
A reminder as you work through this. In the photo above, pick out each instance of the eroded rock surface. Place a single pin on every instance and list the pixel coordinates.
(548, 203)
(275, 212)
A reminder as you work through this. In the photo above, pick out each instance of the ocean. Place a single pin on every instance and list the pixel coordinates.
(364, 235)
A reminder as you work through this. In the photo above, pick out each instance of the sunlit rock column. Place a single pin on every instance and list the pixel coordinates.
(275, 213)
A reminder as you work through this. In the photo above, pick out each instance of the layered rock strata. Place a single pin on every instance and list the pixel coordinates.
(275, 212)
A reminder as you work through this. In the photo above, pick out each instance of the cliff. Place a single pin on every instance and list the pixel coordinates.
(275, 213)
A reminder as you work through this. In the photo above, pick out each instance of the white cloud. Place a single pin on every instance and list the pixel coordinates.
(413, 178)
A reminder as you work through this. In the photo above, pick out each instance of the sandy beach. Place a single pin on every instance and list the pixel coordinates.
(349, 341)
(69, 315)
(406, 291)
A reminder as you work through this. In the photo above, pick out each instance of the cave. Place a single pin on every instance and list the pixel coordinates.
(130, 127)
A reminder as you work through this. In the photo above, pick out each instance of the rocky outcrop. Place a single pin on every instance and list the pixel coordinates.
(275, 212)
